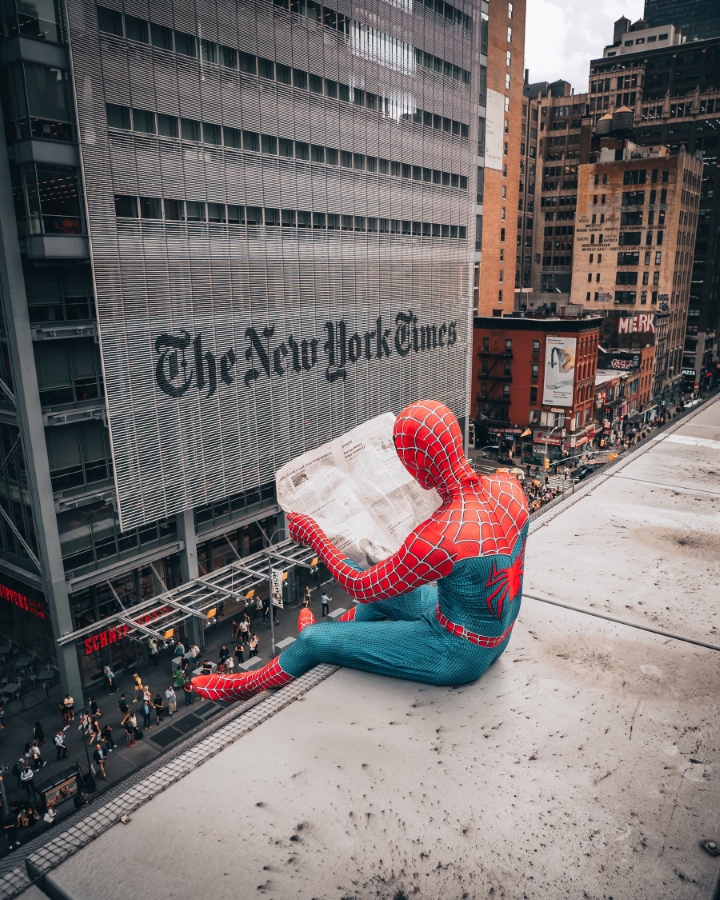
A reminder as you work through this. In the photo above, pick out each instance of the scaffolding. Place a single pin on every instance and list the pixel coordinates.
(159, 616)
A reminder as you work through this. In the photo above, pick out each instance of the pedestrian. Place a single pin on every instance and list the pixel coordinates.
(28, 818)
(229, 665)
(146, 710)
(107, 736)
(188, 691)
(138, 687)
(10, 825)
(26, 779)
(178, 679)
(235, 629)
(100, 756)
(184, 665)
(325, 601)
(79, 799)
(266, 610)
(254, 642)
(195, 652)
(224, 653)
(179, 649)
(39, 734)
(70, 707)
(59, 741)
(109, 679)
(207, 668)
(258, 607)
(147, 696)
(159, 707)
(239, 653)
(244, 628)
(154, 651)
(94, 710)
(94, 730)
(84, 725)
(171, 698)
(306, 597)
(37, 759)
(128, 727)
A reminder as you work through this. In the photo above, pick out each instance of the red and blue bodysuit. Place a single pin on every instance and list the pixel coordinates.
(441, 609)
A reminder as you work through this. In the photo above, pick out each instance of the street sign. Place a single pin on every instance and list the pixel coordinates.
(276, 585)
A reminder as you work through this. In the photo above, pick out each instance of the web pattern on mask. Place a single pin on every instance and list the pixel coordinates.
(478, 516)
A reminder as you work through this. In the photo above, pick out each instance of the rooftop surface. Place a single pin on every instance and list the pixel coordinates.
(582, 764)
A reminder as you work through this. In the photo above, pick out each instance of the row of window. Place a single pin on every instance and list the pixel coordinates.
(146, 122)
(129, 207)
(326, 16)
(111, 22)
(630, 258)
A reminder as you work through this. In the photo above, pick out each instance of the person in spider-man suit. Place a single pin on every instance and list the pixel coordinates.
(442, 608)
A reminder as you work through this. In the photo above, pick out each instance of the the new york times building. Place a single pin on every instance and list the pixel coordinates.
(279, 206)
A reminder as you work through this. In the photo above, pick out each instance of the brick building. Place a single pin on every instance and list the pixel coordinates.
(501, 143)
(635, 232)
(513, 401)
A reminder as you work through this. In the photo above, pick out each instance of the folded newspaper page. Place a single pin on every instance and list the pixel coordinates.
(358, 491)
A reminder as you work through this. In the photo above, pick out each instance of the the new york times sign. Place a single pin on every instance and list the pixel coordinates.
(184, 363)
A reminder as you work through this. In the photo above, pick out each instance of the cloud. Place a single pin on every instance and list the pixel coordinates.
(562, 36)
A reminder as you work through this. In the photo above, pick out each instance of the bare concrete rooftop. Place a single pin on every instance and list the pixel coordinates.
(583, 764)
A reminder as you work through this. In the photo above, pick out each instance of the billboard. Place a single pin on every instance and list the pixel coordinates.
(559, 371)
(619, 360)
(494, 129)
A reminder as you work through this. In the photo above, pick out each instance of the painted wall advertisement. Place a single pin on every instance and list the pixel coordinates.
(559, 371)
(494, 129)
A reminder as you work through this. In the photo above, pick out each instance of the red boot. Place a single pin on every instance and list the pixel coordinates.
(306, 618)
(348, 616)
(242, 686)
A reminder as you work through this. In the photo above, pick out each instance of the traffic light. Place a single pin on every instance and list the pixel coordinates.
(547, 463)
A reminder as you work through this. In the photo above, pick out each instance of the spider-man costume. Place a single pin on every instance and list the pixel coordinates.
(405, 625)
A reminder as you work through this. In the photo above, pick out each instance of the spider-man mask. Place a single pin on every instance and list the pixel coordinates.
(429, 443)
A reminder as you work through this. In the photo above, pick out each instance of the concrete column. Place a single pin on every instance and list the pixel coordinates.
(30, 422)
(189, 569)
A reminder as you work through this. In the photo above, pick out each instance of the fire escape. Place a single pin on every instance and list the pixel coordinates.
(495, 377)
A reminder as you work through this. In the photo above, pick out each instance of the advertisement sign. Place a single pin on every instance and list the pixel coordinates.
(276, 586)
(559, 371)
(494, 129)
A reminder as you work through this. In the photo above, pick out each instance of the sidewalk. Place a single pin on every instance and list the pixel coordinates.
(124, 760)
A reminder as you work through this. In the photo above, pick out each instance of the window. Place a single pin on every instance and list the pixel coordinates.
(508, 345)
(144, 121)
(109, 21)
(229, 58)
(508, 61)
(150, 208)
(535, 371)
(658, 257)
(510, 10)
(117, 116)
(185, 44)
(536, 348)
(173, 210)
(208, 51)
(268, 144)
(167, 126)
(212, 134)
(285, 146)
(190, 130)
(507, 81)
(136, 29)
(533, 395)
(161, 37)
(509, 34)
(283, 73)
(195, 211)
(125, 207)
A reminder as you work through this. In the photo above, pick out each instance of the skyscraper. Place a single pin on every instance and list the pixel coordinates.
(698, 19)
(230, 232)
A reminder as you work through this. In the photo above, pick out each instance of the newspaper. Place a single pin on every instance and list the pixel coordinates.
(358, 491)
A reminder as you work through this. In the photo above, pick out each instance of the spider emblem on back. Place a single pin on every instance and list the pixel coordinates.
(506, 582)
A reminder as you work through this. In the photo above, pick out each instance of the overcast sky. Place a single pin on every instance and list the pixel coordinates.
(564, 35)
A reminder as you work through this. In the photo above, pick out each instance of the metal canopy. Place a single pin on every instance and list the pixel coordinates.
(155, 616)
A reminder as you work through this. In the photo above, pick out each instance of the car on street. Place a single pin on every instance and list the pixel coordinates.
(583, 472)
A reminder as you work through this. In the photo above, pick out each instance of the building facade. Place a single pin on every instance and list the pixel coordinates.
(534, 382)
(635, 234)
(503, 139)
(698, 19)
(230, 232)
